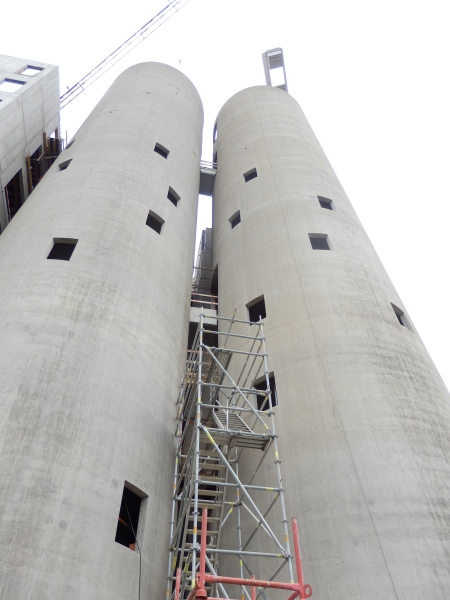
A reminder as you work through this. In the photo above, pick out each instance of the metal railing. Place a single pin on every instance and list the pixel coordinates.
(205, 164)
(204, 300)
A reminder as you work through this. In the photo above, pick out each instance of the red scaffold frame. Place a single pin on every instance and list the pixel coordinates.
(299, 589)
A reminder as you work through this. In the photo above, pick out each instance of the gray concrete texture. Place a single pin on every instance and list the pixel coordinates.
(363, 416)
(92, 350)
(25, 114)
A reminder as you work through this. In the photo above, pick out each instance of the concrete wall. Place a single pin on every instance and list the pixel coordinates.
(92, 350)
(24, 116)
(363, 416)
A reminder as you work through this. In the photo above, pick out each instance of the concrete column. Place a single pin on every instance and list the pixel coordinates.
(92, 350)
(363, 416)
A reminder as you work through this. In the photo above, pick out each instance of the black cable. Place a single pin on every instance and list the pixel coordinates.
(139, 548)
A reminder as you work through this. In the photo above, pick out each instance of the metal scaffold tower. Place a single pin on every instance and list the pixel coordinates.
(226, 446)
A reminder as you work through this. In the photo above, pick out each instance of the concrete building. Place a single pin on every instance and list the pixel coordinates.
(92, 349)
(29, 125)
(363, 417)
(95, 295)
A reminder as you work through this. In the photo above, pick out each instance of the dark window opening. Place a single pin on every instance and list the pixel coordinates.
(69, 144)
(127, 525)
(161, 150)
(215, 281)
(36, 167)
(14, 194)
(62, 249)
(325, 202)
(262, 401)
(63, 165)
(256, 309)
(173, 196)
(401, 317)
(154, 221)
(235, 219)
(250, 175)
(319, 241)
(215, 158)
(52, 149)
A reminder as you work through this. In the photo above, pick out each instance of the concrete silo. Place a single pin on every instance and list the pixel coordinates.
(95, 277)
(363, 417)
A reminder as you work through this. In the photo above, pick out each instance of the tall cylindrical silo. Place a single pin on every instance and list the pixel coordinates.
(363, 417)
(95, 277)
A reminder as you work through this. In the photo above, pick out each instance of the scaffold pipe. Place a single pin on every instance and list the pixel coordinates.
(299, 589)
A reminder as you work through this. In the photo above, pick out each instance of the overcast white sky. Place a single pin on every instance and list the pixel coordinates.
(372, 78)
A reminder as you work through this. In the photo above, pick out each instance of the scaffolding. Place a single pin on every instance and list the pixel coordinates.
(224, 426)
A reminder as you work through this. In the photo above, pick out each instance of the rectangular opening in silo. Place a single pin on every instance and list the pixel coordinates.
(325, 202)
(128, 521)
(159, 149)
(401, 317)
(256, 309)
(249, 175)
(235, 219)
(319, 241)
(173, 196)
(63, 165)
(154, 221)
(262, 400)
(62, 249)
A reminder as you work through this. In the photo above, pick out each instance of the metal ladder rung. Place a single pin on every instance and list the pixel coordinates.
(210, 519)
(212, 467)
(208, 504)
(210, 454)
(209, 533)
(203, 492)
(211, 479)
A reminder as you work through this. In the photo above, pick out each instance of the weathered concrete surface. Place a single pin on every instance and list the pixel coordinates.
(363, 417)
(92, 350)
(24, 116)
